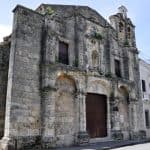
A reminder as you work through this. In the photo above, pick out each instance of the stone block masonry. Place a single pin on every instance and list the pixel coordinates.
(66, 62)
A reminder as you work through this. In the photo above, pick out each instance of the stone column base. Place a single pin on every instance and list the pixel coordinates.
(83, 138)
(138, 135)
(48, 142)
(7, 144)
(117, 135)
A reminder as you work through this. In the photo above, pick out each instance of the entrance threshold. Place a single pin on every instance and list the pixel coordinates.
(104, 139)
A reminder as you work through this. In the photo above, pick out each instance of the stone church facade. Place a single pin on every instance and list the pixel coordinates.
(69, 77)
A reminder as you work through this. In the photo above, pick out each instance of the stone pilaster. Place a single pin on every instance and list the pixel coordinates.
(83, 136)
(116, 130)
(48, 118)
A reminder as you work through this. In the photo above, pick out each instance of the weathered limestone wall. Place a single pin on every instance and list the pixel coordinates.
(70, 109)
(4, 61)
(74, 26)
(95, 47)
(72, 30)
(65, 111)
(120, 109)
(58, 109)
(46, 100)
(135, 76)
(130, 65)
(23, 92)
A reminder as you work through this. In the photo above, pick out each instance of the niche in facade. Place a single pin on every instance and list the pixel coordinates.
(95, 59)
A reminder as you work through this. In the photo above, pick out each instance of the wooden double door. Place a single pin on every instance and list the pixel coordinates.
(96, 115)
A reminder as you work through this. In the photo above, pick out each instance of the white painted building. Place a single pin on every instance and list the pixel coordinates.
(145, 88)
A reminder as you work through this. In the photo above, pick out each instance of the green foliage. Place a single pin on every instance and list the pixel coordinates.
(98, 36)
(108, 75)
(49, 11)
(126, 43)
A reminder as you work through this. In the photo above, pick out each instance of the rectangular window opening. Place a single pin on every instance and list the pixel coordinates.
(147, 119)
(117, 68)
(143, 86)
(63, 53)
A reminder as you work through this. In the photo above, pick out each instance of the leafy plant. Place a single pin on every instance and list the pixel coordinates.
(49, 11)
(126, 43)
(98, 36)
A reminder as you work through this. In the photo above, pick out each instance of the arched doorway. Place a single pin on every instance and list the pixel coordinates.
(96, 115)
(65, 110)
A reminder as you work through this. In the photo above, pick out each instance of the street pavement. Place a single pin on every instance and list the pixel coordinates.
(135, 147)
(114, 145)
(145, 146)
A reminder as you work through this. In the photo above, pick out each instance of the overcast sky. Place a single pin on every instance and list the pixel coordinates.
(138, 11)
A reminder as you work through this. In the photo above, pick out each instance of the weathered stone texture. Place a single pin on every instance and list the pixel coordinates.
(46, 100)
(4, 60)
(23, 92)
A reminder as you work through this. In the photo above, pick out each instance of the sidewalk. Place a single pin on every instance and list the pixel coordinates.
(104, 145)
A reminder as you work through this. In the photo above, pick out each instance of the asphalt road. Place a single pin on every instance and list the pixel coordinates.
(122, 145)
(135, 147)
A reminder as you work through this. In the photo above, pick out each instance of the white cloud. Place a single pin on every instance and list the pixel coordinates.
(5, 30)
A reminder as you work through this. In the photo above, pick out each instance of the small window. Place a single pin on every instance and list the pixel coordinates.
(120, 26)
(147, 121)
(117, 68)
(63, 53)
(143, 86)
